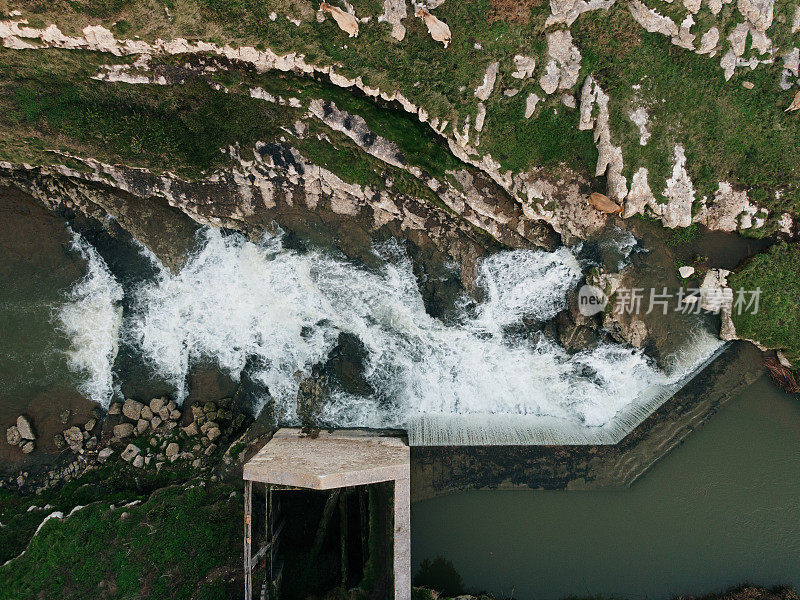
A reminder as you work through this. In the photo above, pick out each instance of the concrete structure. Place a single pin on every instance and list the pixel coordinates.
(333, 460)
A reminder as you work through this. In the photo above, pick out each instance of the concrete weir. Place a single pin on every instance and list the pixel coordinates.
(330, 461)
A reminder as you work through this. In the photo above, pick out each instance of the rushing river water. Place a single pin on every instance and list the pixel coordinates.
(722, 509)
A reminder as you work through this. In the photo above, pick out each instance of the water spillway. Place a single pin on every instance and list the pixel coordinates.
(479, 378)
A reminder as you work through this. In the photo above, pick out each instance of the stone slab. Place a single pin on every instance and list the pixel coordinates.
(333, 459)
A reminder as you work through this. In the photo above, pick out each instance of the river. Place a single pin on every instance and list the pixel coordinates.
(722, 509)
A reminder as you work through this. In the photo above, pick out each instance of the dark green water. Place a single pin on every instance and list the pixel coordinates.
(720, 510)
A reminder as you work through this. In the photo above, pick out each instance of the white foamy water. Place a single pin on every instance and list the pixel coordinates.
(235, 299)
(91, 318)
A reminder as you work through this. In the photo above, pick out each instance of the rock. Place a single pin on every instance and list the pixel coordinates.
(795, 105)
(530, 105)
(191, 430)
(58, 441)
(604, 204)
(172, 450)
(155, 422)
(147, 413)
(758, 12)
(164, 413)
(439, 30)
(132, 409)
(212, 416)
(174, 415)
(91, 443)
(686, 271)
(138, 462)
(225, 402)
(123, 430)
(563, 68)
(196, 463)
(28, 447)
(25, 428)
(171, 425)
(104, 454)
(209, 407)
(224, 414)
(115, 408)
(156, 404)
(206, 426)
(171, 405)
(344, 20)
(524, 66)
(64, 416)
(141, 426)
(709, 41)
(90, 425)
(74, 437)
(394, 11)
(12, 436)
(715, 295)
(213, 433)
(566, 11)
(210, 449)
(131, 451)
(748, 85)
(484, 90)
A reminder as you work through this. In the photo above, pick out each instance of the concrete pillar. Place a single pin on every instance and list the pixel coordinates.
(402, 539)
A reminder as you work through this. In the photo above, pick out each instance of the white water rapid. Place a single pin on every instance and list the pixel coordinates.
(235, 299)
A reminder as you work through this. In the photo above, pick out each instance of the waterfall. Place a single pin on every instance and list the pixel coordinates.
(482, 378)
(91, 318)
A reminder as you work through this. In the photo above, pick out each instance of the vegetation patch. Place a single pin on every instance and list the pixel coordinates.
(777, 324)
(164, 548)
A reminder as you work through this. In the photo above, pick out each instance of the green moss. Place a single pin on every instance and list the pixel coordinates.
(157, 551)
(729, 133)
(777, 323)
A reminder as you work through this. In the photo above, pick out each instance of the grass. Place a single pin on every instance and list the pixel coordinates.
(729, 133)
(112, 483)
(157, 551)
(777, 324)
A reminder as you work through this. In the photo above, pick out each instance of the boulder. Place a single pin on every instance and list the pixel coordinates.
(123, 430)
(156, 404)
(141, 426)
(12, 436)
(147, 413)
(164, 413)
(155, 422)
(25, 428)
(686, 271)
(191, 430)
(210, 449)
(138, 462)
(28, 447)
(484, 90)
(172, 450)
(132, 409)
(74, 437)
(58, 441)
(130, 452)
(174, 414)
(115, 408)
(104, 454)
(213, 433)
